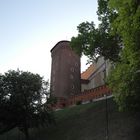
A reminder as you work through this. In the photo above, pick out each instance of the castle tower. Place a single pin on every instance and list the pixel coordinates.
(65, 71)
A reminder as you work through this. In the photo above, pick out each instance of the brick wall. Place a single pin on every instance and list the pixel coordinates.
(87, 95)
(91, 94)
(65, 71)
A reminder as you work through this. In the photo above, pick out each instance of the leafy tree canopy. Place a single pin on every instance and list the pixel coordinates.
(22, 101)
(94, 42)
(117, 39)
(125, 78)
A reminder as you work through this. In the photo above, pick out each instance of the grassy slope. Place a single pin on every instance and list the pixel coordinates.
(88, 122)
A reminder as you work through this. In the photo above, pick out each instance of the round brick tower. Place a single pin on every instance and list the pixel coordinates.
(65, 71)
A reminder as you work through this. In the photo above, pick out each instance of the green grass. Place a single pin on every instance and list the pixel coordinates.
(86, 122)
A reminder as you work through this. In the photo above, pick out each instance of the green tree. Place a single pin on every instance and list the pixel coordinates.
(125, 77)
(94, 42)
(22, 101)
(117, 39)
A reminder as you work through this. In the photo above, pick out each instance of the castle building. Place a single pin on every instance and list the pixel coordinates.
(68, 84)
(65, 71)
(95, 75)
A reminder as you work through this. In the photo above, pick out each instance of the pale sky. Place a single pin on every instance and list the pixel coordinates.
(30, 28)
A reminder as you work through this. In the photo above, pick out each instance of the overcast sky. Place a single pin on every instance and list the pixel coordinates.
(30, 28)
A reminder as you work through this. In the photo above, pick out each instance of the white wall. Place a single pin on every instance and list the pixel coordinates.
(102, 68)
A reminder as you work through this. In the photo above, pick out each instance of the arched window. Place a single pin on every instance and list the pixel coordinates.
(72, 69)
(71, 76)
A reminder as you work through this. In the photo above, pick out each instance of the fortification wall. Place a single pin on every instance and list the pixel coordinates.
(83, 97)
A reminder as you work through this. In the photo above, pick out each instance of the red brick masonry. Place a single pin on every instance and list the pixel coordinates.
(87, 95)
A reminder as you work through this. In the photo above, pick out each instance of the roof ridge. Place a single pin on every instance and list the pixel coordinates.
(87, 68)
(86, 74)
(59, 43)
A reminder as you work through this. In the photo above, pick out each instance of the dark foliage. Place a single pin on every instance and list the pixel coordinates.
(23, 101)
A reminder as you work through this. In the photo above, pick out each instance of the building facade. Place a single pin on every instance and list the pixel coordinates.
(95, 74)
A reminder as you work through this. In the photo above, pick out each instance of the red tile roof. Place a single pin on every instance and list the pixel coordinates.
(88, 72)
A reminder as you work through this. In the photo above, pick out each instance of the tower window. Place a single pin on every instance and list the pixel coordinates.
(71, 76)
(72, 86)
(72, 69)
(76, 64)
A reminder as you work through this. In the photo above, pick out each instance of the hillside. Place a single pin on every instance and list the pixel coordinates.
(86, 122)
